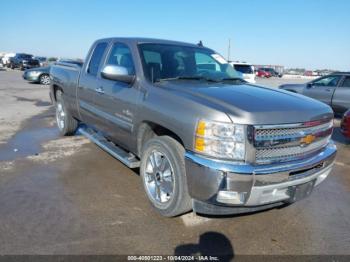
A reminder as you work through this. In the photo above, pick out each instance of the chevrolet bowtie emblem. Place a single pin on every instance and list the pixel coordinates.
(307, 140)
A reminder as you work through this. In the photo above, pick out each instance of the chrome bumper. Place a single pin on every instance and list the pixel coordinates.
(238, 184)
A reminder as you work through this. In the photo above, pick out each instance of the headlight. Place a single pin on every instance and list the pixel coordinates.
(221, 140)
(34, 73)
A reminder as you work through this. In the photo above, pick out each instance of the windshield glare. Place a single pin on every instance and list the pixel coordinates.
(166, 61)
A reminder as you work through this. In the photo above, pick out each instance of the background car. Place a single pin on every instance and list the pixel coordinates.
(6, 59)
(38, 75)
(333, 89)
(23, 61)
(345, 124)
(262, 73)
(246, 69)
(272, 71)
(42, 60)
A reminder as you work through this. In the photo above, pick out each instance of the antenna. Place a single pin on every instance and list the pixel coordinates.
(200, 43)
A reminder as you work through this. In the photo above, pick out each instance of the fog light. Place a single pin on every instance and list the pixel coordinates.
(231, 197)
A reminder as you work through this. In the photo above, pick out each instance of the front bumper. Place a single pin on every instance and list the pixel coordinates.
(30, 77)
(227, 184)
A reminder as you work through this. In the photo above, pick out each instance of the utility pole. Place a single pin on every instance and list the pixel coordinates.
(229, 49)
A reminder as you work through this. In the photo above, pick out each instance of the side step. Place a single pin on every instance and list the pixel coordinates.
(123, 156)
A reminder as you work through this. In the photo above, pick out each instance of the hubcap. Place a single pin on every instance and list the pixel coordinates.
(159, 177)
(60, 115)
(45, 80)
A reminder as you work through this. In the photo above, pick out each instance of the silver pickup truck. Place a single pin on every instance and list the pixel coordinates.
(202, 138)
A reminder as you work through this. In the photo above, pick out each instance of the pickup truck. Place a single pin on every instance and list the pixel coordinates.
(203, 138)
(333, 89)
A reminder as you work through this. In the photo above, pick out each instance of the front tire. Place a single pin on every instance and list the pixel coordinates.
(65, 122)
(164, 176)
(44, 79)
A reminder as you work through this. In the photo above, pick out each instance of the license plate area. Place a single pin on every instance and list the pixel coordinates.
(301, 191)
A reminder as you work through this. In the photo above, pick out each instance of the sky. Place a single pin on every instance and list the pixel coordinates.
(312, 34)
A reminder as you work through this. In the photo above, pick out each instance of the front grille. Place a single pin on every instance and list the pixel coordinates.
(289, 142)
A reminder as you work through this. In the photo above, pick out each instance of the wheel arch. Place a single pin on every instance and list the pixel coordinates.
(149, 129)
(55, 88)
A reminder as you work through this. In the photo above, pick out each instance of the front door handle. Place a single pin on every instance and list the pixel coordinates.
(99, 90)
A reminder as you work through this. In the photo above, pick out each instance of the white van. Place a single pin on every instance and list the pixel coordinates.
(246, 69)
(6, 59)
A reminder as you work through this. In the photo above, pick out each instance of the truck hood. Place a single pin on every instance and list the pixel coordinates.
(251, 104)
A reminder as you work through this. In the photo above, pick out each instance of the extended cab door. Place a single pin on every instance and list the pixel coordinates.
(341, 97)
(116, 101)
(322, 89)
(88, 84)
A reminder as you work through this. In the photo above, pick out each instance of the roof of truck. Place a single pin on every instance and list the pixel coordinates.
(139, 40)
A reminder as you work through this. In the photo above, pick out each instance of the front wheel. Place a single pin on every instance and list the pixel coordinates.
(65, 122)
(44, 79)
(164, 176)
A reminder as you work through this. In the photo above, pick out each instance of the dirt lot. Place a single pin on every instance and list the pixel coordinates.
(66, 196)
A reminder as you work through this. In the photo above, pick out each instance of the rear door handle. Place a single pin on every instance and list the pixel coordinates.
(99, 90)
(328, 89)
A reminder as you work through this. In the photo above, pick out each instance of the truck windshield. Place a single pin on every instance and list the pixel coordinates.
(168, 62)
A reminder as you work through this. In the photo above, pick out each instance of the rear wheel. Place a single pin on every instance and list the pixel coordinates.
(65, 122)
(44, 79)
(164, 176)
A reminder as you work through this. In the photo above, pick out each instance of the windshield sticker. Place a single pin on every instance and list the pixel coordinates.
(219, 58)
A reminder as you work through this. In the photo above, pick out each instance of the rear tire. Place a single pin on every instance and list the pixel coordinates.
(164, 176)
(67, 125)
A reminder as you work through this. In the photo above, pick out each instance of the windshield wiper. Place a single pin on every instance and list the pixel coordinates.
(186, 78)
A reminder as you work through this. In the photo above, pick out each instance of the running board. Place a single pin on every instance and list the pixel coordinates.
(123, 156)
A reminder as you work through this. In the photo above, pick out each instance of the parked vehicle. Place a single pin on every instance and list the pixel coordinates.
(262, 73)
(246, 69)
(42, 60)
(6, 59)
(23, 61)
(272, 72)
(202, 138)
(333, 89)
(38, 75)
(310, 73)
(345, 124)
(42, 74)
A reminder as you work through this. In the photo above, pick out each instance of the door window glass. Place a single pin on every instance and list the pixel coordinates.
(121, 56)
(346, 82)
(96, 58)
(327, 81)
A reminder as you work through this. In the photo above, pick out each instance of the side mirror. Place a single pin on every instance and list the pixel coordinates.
(309, 85)
(117, 73)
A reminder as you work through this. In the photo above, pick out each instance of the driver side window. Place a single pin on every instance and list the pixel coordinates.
(331, 81)
(206, 62)
(120, 55)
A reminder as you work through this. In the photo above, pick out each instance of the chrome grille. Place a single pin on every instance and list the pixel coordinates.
(285, 142)
(278, 133)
